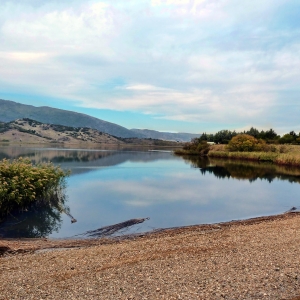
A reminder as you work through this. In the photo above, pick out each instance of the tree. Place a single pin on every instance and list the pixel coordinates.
(224, 136)
(288, 138)
(253, 132)
(271, 134)
(203, 137)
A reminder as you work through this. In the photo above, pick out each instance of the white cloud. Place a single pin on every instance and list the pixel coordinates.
(211, 61)
(144, 87)
(26, 57)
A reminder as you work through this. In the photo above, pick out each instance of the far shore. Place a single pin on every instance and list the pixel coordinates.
(288, 155)
(83, 145)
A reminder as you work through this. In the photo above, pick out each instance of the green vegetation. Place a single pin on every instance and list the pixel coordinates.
(221, 137)
(31, 122)
(4, 127)
(278, 154)
(247, 143)
(269, 136)
(245, 147)
(195, 147)
(290, 138)
(258, 156)
(62, 128)
(22, 184)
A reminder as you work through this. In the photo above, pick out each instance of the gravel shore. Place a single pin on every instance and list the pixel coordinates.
(252, 259)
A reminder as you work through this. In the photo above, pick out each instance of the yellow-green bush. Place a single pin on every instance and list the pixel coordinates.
(246, 143)
(22, 183)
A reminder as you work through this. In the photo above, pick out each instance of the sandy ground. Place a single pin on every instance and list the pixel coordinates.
(253, 259)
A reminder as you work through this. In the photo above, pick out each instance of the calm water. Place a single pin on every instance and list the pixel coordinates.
(107, 187)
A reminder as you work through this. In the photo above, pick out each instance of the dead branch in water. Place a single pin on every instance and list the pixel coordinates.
(111, 229)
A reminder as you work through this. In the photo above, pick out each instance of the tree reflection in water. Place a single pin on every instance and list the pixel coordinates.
(39, 220)
(244, 170)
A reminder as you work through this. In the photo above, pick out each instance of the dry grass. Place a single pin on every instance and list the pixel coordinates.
(46, 134)
(281, 154)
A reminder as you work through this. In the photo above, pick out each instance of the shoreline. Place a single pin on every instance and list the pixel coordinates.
(239, 156)
(12, 246)
(257, 258)
(288, 156)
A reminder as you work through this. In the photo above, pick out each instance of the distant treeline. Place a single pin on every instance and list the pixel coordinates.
(270, 136)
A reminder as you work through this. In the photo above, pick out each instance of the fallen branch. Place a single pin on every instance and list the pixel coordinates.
(109, 230)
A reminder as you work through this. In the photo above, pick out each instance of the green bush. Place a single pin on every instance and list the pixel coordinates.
(246, 143)
(22, 183)
(287, 139)
(195, 147)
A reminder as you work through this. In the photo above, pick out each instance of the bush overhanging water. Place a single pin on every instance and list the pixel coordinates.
(22, 183)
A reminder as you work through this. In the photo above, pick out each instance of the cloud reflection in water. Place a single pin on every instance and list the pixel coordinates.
(171, 193)
(108, 187)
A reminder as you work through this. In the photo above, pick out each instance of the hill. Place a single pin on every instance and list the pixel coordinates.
(34, 132)
(168, 136)
(10, 111)
(31, 131)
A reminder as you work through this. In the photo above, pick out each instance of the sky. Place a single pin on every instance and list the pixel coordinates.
(169, 65)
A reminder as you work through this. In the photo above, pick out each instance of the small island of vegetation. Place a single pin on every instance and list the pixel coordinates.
(247, 145)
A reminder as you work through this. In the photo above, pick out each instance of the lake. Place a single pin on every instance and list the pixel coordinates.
(111, 186)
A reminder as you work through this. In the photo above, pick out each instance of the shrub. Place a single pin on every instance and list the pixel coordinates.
(195, 147)
(22, 183)
(287, 139)
(246, 143)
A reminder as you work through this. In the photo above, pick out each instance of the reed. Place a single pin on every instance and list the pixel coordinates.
(185, 152)
(291, 158)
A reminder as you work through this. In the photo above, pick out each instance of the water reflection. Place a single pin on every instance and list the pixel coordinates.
(82, 160)
(41, 219)
(242, 170)
(111, 230)
(110, 187)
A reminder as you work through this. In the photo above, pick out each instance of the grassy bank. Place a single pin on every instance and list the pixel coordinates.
(22, 183)
(282, 155)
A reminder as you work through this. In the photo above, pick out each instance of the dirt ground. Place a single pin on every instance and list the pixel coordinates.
(252, 259)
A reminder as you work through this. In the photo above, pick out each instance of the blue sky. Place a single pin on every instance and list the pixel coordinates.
(168, 65)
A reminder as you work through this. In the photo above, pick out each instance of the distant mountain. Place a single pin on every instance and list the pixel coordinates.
(168, 136)
(28, 131)
(10, 111)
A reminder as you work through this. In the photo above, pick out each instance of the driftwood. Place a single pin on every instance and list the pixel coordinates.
(110, 230)
(293, 209)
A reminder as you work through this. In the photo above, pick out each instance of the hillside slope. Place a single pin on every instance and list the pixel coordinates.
(30, 131)
(168, 136)
(10, 111)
